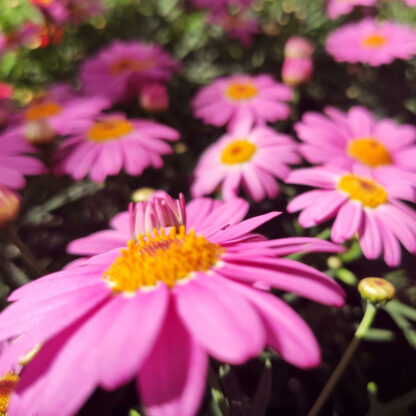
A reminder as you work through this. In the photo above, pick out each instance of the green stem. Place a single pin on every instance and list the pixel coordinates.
(362, 329)
(217, 392)
(27, 255)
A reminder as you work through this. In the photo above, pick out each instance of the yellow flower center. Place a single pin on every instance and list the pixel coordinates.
(374, 41)
(364, 190)
(129, 64)
(42, 110)
(241, 91)
(161, 257)
(7, 384)
(369, 151)
(110, 129)
(239, 151)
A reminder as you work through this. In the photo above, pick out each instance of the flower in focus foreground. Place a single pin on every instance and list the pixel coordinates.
(385, 148)
(157, 308)
(337, 8)
(104, 145)
(119, 70)
(360, 204)
(251, 157)
(237, 98)
(373, 43)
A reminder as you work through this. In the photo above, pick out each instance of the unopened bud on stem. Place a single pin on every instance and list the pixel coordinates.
(376, 290)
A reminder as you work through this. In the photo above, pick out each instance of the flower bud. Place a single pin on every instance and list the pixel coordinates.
(298, 47)
(39, 132)
(7, 385)
(376, 290)
(142, 194)
(297, 71)
(154, 97)
(9, 206)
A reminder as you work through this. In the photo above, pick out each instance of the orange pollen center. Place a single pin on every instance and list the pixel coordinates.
(43, 2)
(364, 190)
(166, 258)
(111, 129)
(369, 151)
(237, 152)
(7, 384)
(374, 41)
(241, 91)
(130, 64)
(42, 110)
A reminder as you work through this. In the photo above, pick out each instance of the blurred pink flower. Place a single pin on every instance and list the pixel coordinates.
(15, 161)
(236, 26)
(337, 8)
(229, 100)
(297, 71)
(298, 47)
(156, 309)
(6, 90)
(120, 69)
(386, 149)
(371, 42)
(410, 3)
(107, 143)
(221, 5)
(18, 37)
(360, 204)
(247, 157)
(154, 97)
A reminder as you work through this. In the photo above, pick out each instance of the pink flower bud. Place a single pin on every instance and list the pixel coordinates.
(298, 47)
(154, 97)
(9, 206)
(297, 71)
(160, 211)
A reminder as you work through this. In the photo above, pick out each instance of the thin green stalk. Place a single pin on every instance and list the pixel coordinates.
(362, 329)
(217, 392)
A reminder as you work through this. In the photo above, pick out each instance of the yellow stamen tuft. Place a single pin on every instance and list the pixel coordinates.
(7, 384)
(374, 41)
(241, 91)
(110, 129)
(130, 64)
(161, 258)
(42, 110)
(369, 151)
(364, 190)
(239, 151)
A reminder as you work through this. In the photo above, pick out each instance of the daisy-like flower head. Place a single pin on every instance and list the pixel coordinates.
(248, 157)
(15, 161)
(371, 42)
(383, 147)
(236, 26)
(157, 308)
(361, 204)
(119, 70)
(337, 8)
(257, 99)
(107, 143)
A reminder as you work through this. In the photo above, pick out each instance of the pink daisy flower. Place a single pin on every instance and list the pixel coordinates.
(360, 204)
(385, 148)
(103, 145)
(410, 3)
(247, 157)
(257, 99)
(156, 310)
(15, 162)
(336, 8)
(236, 26)
(119, 70)
(371, 42)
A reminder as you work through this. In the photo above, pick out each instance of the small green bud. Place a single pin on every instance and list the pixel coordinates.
(142, 194)
(376, 290)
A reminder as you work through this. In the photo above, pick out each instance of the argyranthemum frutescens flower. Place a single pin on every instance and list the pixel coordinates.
(15, 161)
(109, 142)
(257, 99)
(361, 204)
(157, 308)
(371, 42)
(384, 147)
(247, 157)
(120, 69)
